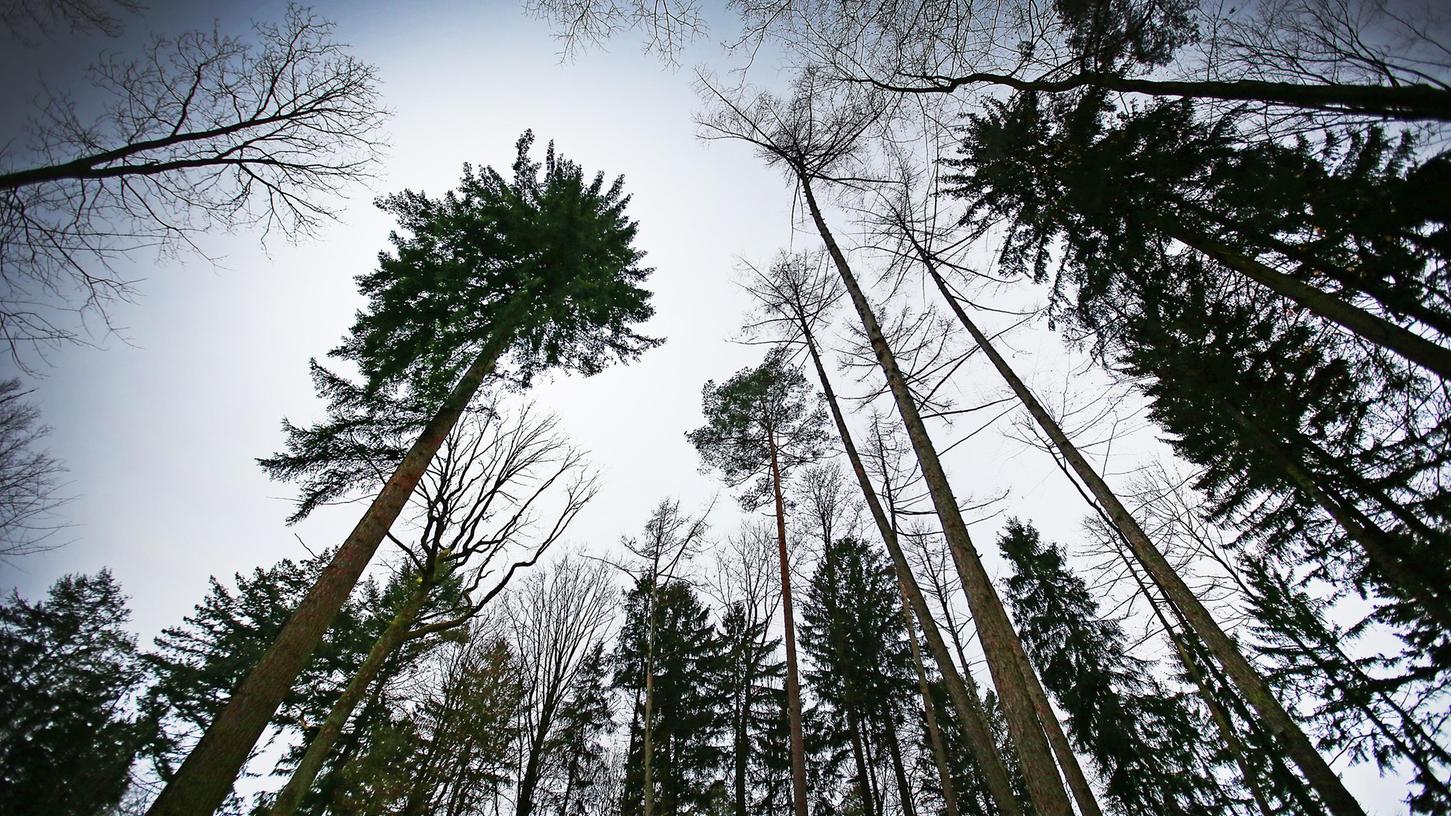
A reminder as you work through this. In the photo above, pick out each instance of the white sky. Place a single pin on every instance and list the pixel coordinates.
(160, 432)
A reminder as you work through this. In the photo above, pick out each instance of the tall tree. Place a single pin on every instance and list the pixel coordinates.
(539, 271)
(68, 673)
(687, 714)
(1141, 735)
(812, 136)
(586, 719)
(203, 131)
(761, 424)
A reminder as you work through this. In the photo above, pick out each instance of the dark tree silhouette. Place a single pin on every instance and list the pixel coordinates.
(29, 478)
(539, 272)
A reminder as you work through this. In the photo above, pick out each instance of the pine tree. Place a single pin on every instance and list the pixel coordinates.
(763, 422)
(68, 673)
(690, 714)
(585, 722)
(1141, 736)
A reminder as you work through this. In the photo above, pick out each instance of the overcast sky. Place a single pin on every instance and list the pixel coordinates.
(160, 430)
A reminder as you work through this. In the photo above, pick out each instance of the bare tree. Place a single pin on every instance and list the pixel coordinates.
(29, 478)
(203, 132)
(553, 622)
(667, 25)
(26, 18)
(486, 494)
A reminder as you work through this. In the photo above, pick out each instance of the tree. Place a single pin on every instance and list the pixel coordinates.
(852, 631)
(556, 623)
(79, 16)
(29, 477)
(586, 718)
(795, 294)
(479, 501)
(202, 132)
(1141, 736)
(198, 664)
(811, 136)
(687, 713)
(68, 673)
(540, 272)
(763, 422)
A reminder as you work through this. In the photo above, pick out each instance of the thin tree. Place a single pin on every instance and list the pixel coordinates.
(481, 498)
(202, 132)
(799, 294)
(809, 143)
(760, 425)
(540, 271)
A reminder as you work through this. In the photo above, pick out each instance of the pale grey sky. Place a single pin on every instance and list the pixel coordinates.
(160, 431)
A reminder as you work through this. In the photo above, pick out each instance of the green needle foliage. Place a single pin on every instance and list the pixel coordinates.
(1144, 739)
(757, 413)
(540, 268)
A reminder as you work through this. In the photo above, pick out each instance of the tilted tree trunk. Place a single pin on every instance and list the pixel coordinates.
(929, 711)
(1045, 788)
(337, 718)
(904, 788)
(964, 702)
(1374, 328)
(1246, 678)
(1409, 101)
(793, 682)
(203, 780)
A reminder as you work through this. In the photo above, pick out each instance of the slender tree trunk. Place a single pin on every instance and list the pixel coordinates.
(1246, 678)
(858, 753)
(1408, 102)
(203, 780)
(529, 781)
(647, 732)
(929, 711)
(337, 718)
(742, 756)
(1374, 328)
(793, 682)
(1222, 721)
(894, 750)
(966, 704)
(994, 629)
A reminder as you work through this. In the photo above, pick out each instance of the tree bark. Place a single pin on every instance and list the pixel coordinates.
(994, 629)
(1246, 678)
(337, 718)
(969, 710)
(1374, 328)
(203, 780)
(793, 682)
(1408, 102)
(1078, 785)
(904, 788)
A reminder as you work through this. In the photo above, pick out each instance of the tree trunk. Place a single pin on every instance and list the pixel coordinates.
(994, 629)
(858, 753)
(793, 683)
(1246, 678)
(894, 750)
(1374, 328)
(1408, 102)
(529, 781)
(203, 780)
(966, 704)
(327, 734)
(1067, 760)
(929, 711)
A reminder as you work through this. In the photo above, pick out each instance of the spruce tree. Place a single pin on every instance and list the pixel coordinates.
(751, 683)
(1141, 736)
(69, 671)
(689, 714)
(501, 276)
(585, 721)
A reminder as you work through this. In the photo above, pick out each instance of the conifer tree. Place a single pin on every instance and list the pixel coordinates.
(761, 424)
(688, 713)
(1141, 736)
(586, 720)
(68, 671)
(539, 272)
(751, 682)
